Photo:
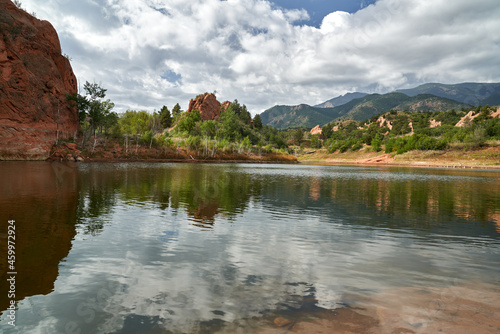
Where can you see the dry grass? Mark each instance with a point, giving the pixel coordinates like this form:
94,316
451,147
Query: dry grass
487,157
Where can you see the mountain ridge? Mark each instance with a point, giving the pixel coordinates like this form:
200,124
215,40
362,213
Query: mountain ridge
340,100
473,93
365,106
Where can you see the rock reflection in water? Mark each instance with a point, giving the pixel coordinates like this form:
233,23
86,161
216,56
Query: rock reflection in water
204,216
42,200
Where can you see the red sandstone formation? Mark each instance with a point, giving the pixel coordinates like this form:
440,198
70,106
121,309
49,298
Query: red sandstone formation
34,81
316,130
225,105
208,106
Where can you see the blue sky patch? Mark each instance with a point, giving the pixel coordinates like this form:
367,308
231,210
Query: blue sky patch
318,9
171,76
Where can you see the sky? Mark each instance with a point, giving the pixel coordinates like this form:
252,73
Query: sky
150,53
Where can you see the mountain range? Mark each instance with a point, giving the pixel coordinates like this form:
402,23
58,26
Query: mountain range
362,106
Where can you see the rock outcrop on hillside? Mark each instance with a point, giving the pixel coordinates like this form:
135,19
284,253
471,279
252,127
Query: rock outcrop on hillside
34,80
316,130
225,105
467,119
207,105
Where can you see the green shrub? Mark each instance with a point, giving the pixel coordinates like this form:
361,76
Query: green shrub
376,142
357,146
345,147
477,138
193,142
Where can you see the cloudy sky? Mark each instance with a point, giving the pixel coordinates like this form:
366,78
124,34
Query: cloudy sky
150,53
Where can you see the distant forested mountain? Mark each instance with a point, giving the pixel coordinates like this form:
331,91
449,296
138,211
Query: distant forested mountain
303,115
469,93
359,109
340,100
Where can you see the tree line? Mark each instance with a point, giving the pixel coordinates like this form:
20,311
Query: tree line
235,130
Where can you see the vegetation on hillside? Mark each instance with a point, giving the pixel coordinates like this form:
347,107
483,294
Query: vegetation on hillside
234,132
401,132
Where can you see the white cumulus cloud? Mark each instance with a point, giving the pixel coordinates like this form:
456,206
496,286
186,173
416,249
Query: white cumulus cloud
150,53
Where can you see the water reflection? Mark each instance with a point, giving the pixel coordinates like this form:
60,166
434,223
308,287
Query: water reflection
42,199
167,248
206,192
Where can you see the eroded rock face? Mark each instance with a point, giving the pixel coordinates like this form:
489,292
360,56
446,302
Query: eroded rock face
208,106
225,105
316,130
34,81
466,120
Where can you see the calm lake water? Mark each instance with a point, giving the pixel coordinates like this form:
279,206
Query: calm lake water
244,248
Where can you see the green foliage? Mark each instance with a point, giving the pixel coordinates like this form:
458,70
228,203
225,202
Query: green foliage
477,137
449,118
257,122
188,121
93,111
401,145
357,146
210,128
176,113
315,142
376,142
327,130
277,141
400,125
165,117
484,114
240,111
134,122
298,136
246,143
147,137
230,125
193,142
492,127
233,130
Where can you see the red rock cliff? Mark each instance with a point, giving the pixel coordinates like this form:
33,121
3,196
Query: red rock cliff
208,106
34,81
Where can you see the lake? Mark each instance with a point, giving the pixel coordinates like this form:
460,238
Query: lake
248,248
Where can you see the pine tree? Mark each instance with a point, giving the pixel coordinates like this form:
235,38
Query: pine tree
257,122
165,117
176,113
